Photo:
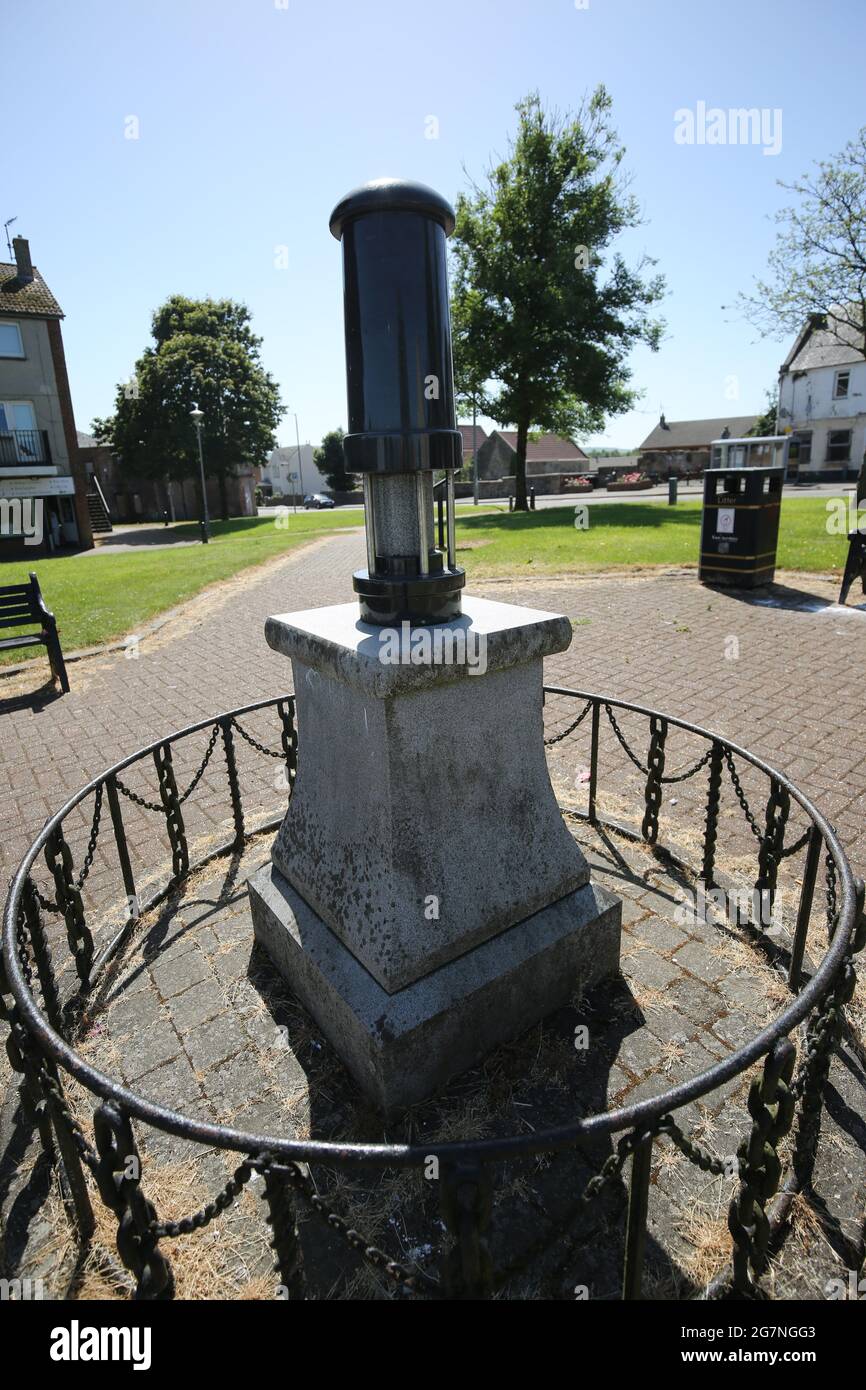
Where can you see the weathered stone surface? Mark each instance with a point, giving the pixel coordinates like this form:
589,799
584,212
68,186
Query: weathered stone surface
423,820
334,642
401,1046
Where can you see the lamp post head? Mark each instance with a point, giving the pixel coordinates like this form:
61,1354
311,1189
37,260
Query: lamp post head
197,416
402,423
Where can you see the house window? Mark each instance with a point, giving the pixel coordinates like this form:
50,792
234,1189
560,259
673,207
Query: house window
838,446
20,441
10,340
800,449
840,386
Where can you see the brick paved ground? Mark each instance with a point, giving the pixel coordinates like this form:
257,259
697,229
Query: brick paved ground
195,1018
791,694
779,680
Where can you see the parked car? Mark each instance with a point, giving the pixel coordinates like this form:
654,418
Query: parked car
317,501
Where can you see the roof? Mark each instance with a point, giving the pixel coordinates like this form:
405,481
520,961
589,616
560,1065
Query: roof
32,298
824,347
547,448
466,431
86,441
696,434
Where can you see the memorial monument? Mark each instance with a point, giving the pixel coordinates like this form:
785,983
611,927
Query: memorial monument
425,899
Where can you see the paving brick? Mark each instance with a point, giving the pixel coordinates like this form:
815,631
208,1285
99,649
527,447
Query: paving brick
701,962
664,936
214,1042
153,1045
694,999
174,974
650,969
196,1005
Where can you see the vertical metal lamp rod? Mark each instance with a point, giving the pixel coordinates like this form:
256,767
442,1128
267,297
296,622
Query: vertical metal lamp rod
450,489
423,542
370,520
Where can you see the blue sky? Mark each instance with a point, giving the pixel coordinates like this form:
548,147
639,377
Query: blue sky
255,116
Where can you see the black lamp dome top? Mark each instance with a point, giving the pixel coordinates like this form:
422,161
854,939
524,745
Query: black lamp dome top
392,195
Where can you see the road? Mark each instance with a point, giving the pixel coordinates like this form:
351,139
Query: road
687,491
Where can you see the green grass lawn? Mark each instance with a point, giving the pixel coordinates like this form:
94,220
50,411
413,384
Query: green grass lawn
97,597
104,596
626,534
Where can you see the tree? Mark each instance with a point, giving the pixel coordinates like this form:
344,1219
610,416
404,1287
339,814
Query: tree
544,314
818,264
331,463
205,353
766,421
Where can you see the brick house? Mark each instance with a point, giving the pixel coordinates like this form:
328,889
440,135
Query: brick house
117,493
39,462
547,453
683,447
468,446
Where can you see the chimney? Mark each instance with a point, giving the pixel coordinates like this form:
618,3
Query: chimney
22,259
662,421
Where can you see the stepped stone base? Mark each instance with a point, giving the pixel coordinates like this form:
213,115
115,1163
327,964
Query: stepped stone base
401,1047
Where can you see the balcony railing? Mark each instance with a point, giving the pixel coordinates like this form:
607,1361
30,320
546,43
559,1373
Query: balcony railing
21,448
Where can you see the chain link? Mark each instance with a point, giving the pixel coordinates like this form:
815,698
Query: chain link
203,1217
254,743
557,738
741,796
413,1281
694,1152
181,798
771,1106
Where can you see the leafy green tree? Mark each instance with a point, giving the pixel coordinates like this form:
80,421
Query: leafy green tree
204,353
544,311
331,462
818,264
766,421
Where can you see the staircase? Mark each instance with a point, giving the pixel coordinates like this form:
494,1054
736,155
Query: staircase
100,516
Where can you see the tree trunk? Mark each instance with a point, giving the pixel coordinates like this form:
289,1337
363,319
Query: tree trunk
520,503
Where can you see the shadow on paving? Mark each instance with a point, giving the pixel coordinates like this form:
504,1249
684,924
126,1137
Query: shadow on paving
194,1017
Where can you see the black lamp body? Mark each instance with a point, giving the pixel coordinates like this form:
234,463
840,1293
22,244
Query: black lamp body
399,373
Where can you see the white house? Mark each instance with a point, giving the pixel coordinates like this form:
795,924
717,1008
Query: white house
289,473
822,401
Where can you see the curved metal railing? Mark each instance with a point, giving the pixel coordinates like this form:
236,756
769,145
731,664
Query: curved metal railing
45,1022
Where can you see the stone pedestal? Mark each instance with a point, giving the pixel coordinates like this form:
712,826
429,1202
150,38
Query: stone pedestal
425,898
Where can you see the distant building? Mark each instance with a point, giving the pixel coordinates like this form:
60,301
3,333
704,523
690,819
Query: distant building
683,447
116,493
468,446
39,461
548,453
289,473
822,401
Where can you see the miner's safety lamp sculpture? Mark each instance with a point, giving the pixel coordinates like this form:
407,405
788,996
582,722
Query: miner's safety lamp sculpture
425,899
401,395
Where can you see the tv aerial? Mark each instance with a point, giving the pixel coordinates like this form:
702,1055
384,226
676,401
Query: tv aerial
6,226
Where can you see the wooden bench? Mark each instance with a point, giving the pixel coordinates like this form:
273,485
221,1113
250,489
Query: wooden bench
21,604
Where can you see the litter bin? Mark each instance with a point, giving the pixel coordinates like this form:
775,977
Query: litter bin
740,526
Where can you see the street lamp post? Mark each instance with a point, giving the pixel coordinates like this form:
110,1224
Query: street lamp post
197,417
298,443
